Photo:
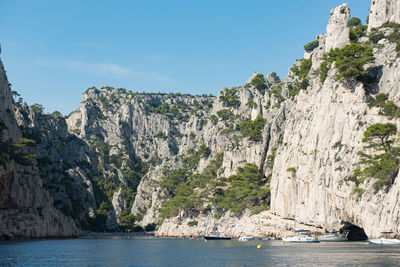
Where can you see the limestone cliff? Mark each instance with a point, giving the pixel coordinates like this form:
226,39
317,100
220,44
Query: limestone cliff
383,11
26,207
163,159
323,131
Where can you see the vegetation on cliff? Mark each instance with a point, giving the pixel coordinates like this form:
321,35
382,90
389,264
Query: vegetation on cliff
349,61
259,82
393,36
382,159
193,192
311,46
301,80
18,152
357,29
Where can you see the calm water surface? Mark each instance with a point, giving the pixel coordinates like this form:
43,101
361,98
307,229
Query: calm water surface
117,251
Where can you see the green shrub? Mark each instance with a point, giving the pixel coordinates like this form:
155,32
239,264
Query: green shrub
57,115
357,32
252,128
98,223
204,151
294,90
301,72
229,97
161,135
375,36
104,102
276,91
311,46
268,105
225,114
214,119
304,68
246,190
37,108
350,60
251,103
193,223
24,142
323,71
127,221
259,82
180,185
354,22
387,107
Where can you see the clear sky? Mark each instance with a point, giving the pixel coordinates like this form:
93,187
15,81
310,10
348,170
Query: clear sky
54,50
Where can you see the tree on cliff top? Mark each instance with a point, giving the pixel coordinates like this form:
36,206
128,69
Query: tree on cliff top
383,163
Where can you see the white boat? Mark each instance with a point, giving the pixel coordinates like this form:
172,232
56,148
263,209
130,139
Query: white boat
333,237
384,241
246,238
215,235
300,239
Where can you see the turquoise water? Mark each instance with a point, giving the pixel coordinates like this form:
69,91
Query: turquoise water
118,251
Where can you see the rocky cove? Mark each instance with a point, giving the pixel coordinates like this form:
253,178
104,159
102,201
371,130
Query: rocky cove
124,160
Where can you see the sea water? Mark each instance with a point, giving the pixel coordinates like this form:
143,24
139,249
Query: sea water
134,251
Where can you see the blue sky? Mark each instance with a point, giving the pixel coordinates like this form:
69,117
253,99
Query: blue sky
54,50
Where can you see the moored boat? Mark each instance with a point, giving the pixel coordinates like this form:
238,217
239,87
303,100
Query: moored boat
332,237
216,237
384,241
246,238
300,239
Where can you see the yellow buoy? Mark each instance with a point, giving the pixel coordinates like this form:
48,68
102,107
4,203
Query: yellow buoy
259,246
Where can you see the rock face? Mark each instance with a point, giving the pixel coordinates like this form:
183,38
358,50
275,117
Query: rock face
383,11
338,30
112,157
260,225
26,207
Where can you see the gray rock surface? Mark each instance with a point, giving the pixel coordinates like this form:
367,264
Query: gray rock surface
26,207
382,11
338,30
116,146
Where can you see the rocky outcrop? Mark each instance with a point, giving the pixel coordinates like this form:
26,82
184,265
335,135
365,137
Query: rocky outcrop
26,207
338,30
111,156
324,132
382,11
261,225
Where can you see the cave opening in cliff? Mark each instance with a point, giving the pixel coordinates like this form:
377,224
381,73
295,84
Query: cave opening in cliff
353,232
371,79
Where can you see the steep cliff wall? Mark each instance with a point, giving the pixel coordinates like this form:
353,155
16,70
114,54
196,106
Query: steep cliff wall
125,157
383,11
26,208
324,132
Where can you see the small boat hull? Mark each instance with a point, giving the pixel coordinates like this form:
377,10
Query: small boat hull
300,239
216,237
246,238
332,238
384,241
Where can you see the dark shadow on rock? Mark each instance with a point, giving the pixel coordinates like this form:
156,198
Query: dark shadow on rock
353,232
371,80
